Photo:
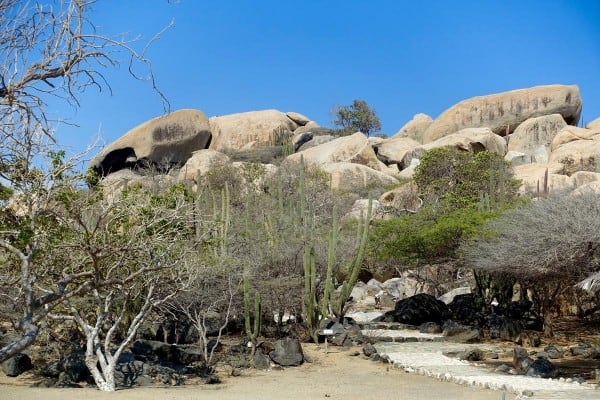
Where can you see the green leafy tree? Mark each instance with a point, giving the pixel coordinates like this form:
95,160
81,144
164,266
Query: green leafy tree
461,192
357,117
459,179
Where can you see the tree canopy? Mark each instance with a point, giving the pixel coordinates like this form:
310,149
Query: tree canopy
358,116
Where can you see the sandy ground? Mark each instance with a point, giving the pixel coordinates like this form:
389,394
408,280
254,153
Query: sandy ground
334,375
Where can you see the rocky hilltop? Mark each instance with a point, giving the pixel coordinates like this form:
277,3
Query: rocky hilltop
535,129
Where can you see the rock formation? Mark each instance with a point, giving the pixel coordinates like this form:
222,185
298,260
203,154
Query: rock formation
161,142
507,109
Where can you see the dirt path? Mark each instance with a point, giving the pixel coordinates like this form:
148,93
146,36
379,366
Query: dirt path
335,375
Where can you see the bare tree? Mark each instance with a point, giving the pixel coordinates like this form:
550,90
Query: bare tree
50,52
549,244
209,303
135,252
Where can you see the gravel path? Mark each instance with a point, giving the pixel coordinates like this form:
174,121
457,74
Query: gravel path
423,354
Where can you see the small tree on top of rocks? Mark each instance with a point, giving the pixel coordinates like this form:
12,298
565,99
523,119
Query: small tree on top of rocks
358,116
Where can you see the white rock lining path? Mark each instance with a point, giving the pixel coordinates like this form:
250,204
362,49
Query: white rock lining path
423,354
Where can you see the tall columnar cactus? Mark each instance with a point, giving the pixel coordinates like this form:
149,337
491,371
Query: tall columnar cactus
251,331
328,289
310,282
339,300
225,220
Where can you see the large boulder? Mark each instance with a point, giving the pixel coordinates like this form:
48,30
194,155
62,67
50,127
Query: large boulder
578,155
507,109
415,128
397,150
350,177
201,162
163,141
473,140
249,129
533,177
534,136
572,134
420,308
347,149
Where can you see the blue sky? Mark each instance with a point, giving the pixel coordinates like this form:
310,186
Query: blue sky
402,57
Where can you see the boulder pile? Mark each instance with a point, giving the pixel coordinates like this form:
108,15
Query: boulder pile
535,129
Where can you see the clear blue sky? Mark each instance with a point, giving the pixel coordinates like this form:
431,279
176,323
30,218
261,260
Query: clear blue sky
402,57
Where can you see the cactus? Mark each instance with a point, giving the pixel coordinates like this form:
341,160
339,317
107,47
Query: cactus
310,281
338,302
251,331
328,290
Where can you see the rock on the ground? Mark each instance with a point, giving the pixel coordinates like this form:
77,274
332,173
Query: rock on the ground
430,327
163,141
472,355
420,308
464,309
521,360
461,333
504,328
152,350
17,364
261,360
542,368
507,109
72,364
415,128
554,351
534,136
287,352
368,349
249,129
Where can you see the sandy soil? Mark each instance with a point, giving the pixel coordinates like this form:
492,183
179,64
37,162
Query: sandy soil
335,375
